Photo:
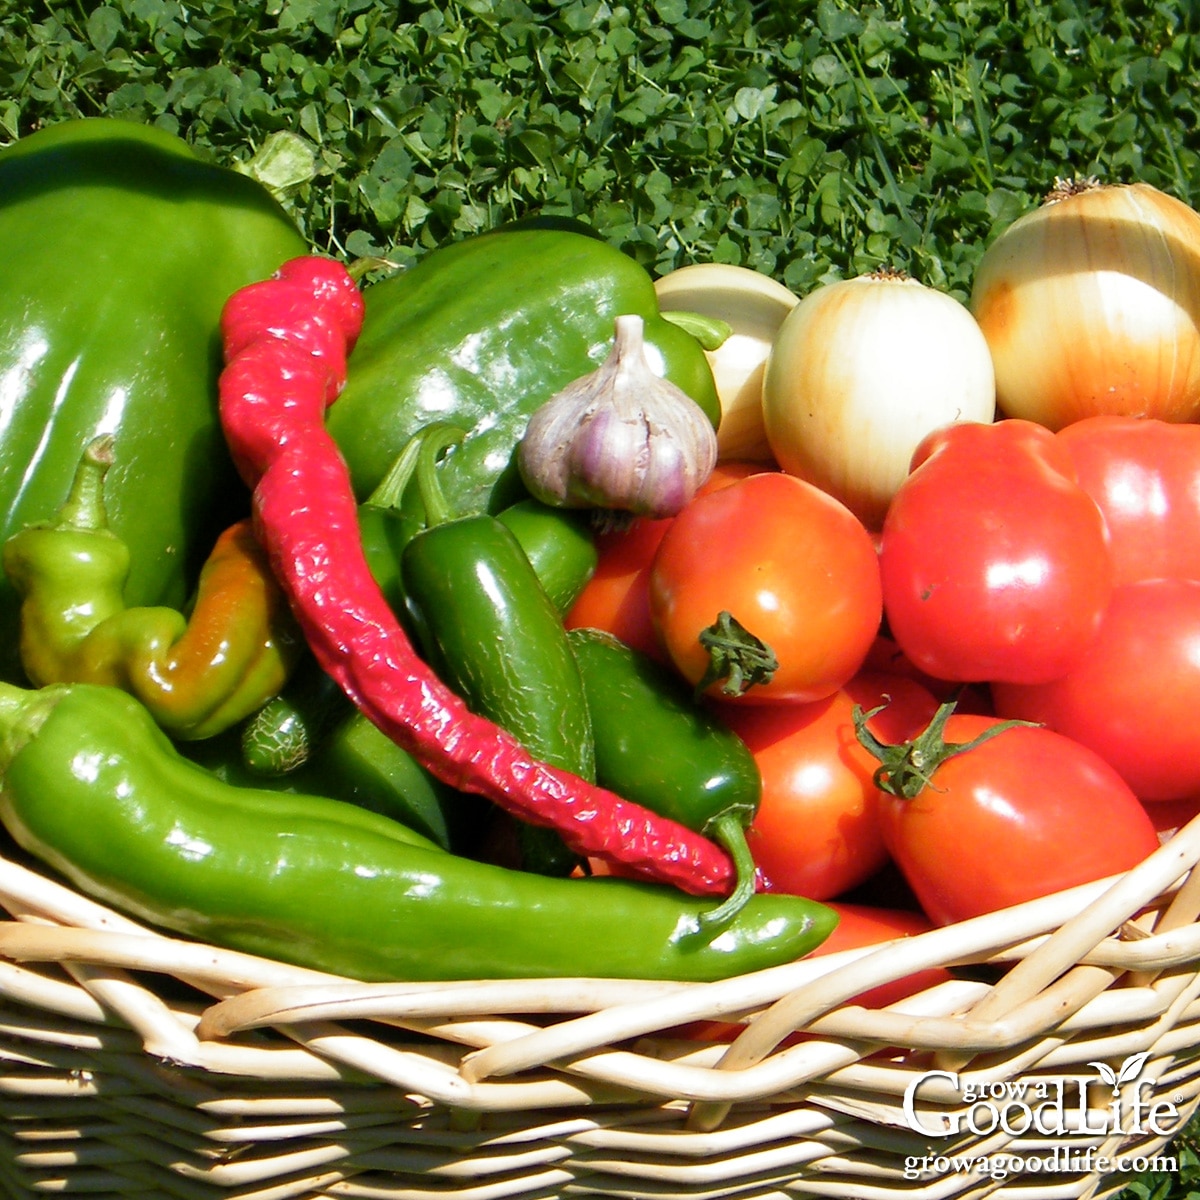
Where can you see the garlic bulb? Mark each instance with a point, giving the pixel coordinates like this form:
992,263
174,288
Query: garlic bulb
620,437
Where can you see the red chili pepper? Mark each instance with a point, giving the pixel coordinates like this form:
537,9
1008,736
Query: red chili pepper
286,341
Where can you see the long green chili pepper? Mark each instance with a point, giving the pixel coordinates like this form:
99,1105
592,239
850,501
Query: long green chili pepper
95,789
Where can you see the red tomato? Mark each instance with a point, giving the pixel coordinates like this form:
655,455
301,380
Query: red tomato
994,560
817,831
1135,700
1024,814
791,564
617,597
1145,477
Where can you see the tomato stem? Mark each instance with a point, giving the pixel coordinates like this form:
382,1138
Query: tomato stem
736,656
907,768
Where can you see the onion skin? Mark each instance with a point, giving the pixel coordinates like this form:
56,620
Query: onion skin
754,305
1090,306
863,369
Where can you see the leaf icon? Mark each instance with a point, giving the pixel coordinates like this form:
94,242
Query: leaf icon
1131,1068
1106,1073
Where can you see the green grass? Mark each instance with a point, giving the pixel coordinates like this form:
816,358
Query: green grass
809,140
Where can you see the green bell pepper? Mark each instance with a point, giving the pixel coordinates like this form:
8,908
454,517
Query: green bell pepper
118,248
482,332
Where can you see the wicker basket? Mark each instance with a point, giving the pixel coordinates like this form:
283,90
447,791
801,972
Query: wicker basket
136,1063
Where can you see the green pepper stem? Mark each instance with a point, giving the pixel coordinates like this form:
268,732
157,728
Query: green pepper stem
389,494
435,440
84,508
22,712
728,830
710,332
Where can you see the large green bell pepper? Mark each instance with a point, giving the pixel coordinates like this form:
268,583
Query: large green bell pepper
479,334
118,248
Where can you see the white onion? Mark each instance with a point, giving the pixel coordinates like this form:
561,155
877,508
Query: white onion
1091,305
860,371
753,305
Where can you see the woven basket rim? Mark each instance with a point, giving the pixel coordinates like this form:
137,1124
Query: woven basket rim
1105,972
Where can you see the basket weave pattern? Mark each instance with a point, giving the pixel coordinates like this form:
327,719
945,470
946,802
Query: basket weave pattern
131,1062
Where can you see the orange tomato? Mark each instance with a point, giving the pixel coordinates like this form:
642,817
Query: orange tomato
617,597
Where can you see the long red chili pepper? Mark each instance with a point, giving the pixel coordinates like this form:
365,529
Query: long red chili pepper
286,342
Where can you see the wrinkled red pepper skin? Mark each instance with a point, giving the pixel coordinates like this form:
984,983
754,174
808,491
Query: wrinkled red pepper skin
287,340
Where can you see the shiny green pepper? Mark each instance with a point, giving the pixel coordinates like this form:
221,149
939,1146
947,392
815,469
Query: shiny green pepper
118,248
95,789
479,334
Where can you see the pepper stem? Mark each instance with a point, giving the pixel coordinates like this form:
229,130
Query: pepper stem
736,656
728,830
390,492
22,711
434,441
907,768
711,332
84,508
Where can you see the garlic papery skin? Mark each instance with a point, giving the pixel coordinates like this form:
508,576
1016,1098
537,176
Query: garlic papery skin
620,437
860,371
754,306
1090,305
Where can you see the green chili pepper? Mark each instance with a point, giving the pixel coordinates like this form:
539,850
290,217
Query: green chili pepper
657,747
559,543
480,334
118,249
386,528
94,788
310,738
490,631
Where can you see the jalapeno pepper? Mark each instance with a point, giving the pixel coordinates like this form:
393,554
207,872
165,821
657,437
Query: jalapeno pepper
385,528
560,544
656,746
95,789
198,674
493,635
